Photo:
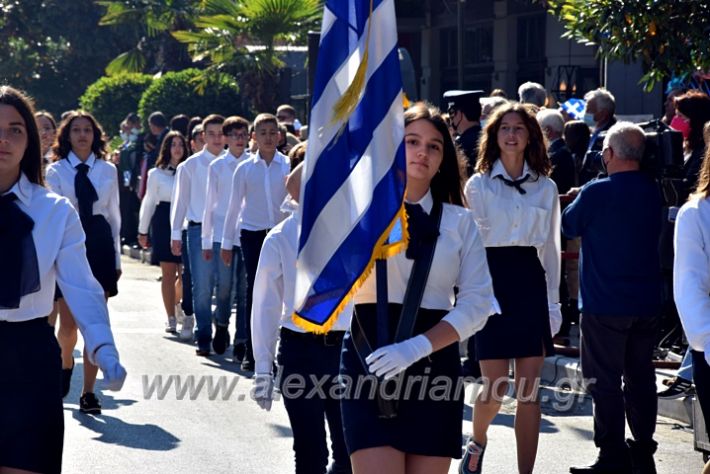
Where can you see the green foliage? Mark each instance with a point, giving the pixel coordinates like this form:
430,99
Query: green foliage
226,27
175,93
52,51
671,38
110,99
150,23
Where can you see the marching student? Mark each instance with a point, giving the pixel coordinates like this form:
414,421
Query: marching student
83,175
189,203
47,131
46,235
306,355
155,214
425,432
258,189
517,209
228,277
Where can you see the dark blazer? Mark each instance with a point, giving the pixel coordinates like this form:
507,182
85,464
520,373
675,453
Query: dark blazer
563,172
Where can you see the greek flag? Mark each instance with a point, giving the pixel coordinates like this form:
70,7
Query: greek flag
575,108
352,189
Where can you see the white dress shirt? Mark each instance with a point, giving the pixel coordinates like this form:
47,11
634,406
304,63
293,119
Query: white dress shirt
691,272
219,188
158,189
274,287
459,261
507,218
61,258
258,190
104,178
188,200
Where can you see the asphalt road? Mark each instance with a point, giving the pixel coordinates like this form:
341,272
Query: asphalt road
206,433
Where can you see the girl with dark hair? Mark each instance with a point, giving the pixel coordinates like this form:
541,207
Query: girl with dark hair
83,175
47,132
43,246
517,209
692,112
426,432
155,214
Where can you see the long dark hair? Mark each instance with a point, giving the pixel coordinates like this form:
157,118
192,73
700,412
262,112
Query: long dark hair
164,157
695,105
535,151
62,145
31,163
447,184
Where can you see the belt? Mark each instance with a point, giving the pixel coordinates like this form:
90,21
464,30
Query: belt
332,338
193,223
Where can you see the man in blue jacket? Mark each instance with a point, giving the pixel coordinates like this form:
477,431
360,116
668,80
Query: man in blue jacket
619,221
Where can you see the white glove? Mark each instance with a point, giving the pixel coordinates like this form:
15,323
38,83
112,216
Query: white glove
263,392
114,373
390,360
555,319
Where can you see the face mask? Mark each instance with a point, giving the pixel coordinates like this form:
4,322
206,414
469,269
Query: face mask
682,125
589,120
483,123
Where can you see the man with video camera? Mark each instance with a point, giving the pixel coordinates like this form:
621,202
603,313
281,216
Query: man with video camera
619,221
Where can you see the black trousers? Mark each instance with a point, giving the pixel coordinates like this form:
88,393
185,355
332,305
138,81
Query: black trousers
701,378
615,349
251,241
315,360
129,205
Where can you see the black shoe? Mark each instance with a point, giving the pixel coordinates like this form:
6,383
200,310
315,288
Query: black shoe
642,456
679,388
202,352
604,466
248,365
88,403
66,379
221,339
240,349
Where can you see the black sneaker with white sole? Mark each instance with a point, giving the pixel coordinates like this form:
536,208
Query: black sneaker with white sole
88,403
679,388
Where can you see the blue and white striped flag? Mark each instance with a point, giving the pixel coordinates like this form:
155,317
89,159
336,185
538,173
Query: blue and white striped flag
352,189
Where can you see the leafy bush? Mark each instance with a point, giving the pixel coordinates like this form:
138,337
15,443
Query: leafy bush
110,99
185,92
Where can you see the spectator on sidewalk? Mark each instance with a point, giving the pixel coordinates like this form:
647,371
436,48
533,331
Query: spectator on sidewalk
598,115
619,221
532,93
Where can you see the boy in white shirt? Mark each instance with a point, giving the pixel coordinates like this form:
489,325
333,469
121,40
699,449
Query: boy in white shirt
189,203
231,279
258,189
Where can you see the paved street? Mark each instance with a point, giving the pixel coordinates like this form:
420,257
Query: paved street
136,434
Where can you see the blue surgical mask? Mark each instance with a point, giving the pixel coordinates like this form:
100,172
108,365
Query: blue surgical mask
589,120
483,123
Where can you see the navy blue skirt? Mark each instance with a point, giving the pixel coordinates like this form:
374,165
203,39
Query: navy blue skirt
31,413
523,327
430,395
160,235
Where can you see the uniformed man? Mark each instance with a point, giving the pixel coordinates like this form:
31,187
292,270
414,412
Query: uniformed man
464,111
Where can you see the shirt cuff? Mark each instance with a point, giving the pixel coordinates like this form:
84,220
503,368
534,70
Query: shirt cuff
227,244
264,366
176,235
555,318
207,244
467,325
95,336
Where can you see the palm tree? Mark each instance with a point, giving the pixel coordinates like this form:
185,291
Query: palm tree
225,29
151,22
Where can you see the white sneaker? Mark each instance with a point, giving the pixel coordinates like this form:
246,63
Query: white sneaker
179,313
171,325
187,326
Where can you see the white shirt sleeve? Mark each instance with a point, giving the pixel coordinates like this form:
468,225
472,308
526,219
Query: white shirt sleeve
267,305
691,278
114,213
53,181
475,301
150,201
179,202
211,200
82,292
236,197
551,261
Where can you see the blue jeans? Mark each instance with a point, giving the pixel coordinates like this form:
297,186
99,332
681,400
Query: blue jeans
239,294
203,281
186,278
223,278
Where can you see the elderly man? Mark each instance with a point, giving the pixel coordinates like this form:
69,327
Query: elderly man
619,220
599,116
532,93
553,126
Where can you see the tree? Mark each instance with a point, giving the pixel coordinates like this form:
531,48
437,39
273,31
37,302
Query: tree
150,23
110,99
671,38
51,49
226,28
